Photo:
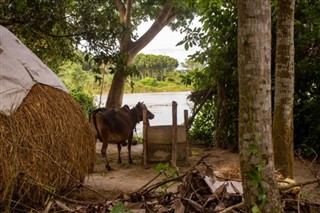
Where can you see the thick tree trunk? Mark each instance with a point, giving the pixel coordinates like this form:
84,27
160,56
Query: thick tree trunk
255,119
117,87
284,89
130,48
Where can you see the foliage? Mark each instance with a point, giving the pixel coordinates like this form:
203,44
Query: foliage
204,134
119,208
85,99
77,82
105,30
171,84
307,90
168,172
165,168
149,81
218,41
190,65
155,66
53,30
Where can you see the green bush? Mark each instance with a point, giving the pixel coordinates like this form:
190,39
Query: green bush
203,128
149,81
76,81
169,79
84,98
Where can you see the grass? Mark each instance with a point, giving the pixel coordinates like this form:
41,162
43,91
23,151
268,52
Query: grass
146,85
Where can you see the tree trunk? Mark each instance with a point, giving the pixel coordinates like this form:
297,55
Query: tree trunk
117,87
284,89
130,48
255,121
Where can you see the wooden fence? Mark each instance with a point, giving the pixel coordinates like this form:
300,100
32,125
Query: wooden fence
166,143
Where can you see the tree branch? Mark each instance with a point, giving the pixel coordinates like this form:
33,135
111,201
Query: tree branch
230,208
282,188
164,18
121,9
190,121
128,14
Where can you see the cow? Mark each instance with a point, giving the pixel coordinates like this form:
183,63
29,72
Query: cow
111,125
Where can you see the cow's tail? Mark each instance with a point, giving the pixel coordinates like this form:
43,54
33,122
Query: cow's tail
93,119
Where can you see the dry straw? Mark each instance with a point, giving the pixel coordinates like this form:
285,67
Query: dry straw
46,145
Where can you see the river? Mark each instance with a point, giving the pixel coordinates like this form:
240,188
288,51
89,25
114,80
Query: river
160,104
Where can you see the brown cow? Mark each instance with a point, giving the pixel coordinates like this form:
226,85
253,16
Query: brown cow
116,126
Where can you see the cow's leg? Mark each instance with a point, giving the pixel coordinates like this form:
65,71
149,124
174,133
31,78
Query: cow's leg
129,148
119,151
104,154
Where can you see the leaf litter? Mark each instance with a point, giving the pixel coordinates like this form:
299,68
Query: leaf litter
200,189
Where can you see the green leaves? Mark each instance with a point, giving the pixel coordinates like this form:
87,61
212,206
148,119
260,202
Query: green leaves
253,149
119,208
165,168
155,66
255,209
255,178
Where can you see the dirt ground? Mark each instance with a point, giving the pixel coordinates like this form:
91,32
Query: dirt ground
126,178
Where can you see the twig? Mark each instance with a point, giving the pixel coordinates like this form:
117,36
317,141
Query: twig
149,182
309,166
152,187
190,121
201,159
283,188
298,204
72,201
195,205
31,181
230,208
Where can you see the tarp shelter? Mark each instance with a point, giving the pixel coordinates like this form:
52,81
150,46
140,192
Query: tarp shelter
20,69
44,133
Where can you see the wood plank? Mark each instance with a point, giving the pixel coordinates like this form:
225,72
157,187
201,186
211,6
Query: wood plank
174,133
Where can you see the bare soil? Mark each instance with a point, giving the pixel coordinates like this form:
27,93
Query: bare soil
126,178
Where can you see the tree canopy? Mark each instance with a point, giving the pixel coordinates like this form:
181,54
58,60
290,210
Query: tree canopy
155,66
54,30
219,55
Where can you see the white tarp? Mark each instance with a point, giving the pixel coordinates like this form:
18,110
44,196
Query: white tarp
20,69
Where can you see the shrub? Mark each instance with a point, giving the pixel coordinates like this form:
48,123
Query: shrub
149,81
84,98
203,128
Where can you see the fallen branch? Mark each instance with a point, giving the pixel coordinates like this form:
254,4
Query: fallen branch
230,208
202,159
157,185
289,186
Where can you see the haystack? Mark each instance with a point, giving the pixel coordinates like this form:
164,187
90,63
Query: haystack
46,144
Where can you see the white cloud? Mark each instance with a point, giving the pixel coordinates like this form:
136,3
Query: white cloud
165,43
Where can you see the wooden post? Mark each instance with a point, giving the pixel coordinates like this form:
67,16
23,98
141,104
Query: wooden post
187,128
145,137
174,133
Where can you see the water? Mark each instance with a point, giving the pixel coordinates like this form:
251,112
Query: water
160,104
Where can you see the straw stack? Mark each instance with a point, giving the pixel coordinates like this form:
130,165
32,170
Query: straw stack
45,146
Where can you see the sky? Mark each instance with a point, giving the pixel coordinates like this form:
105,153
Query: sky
165,43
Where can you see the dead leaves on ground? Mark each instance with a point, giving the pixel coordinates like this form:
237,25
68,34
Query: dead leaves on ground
200,190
